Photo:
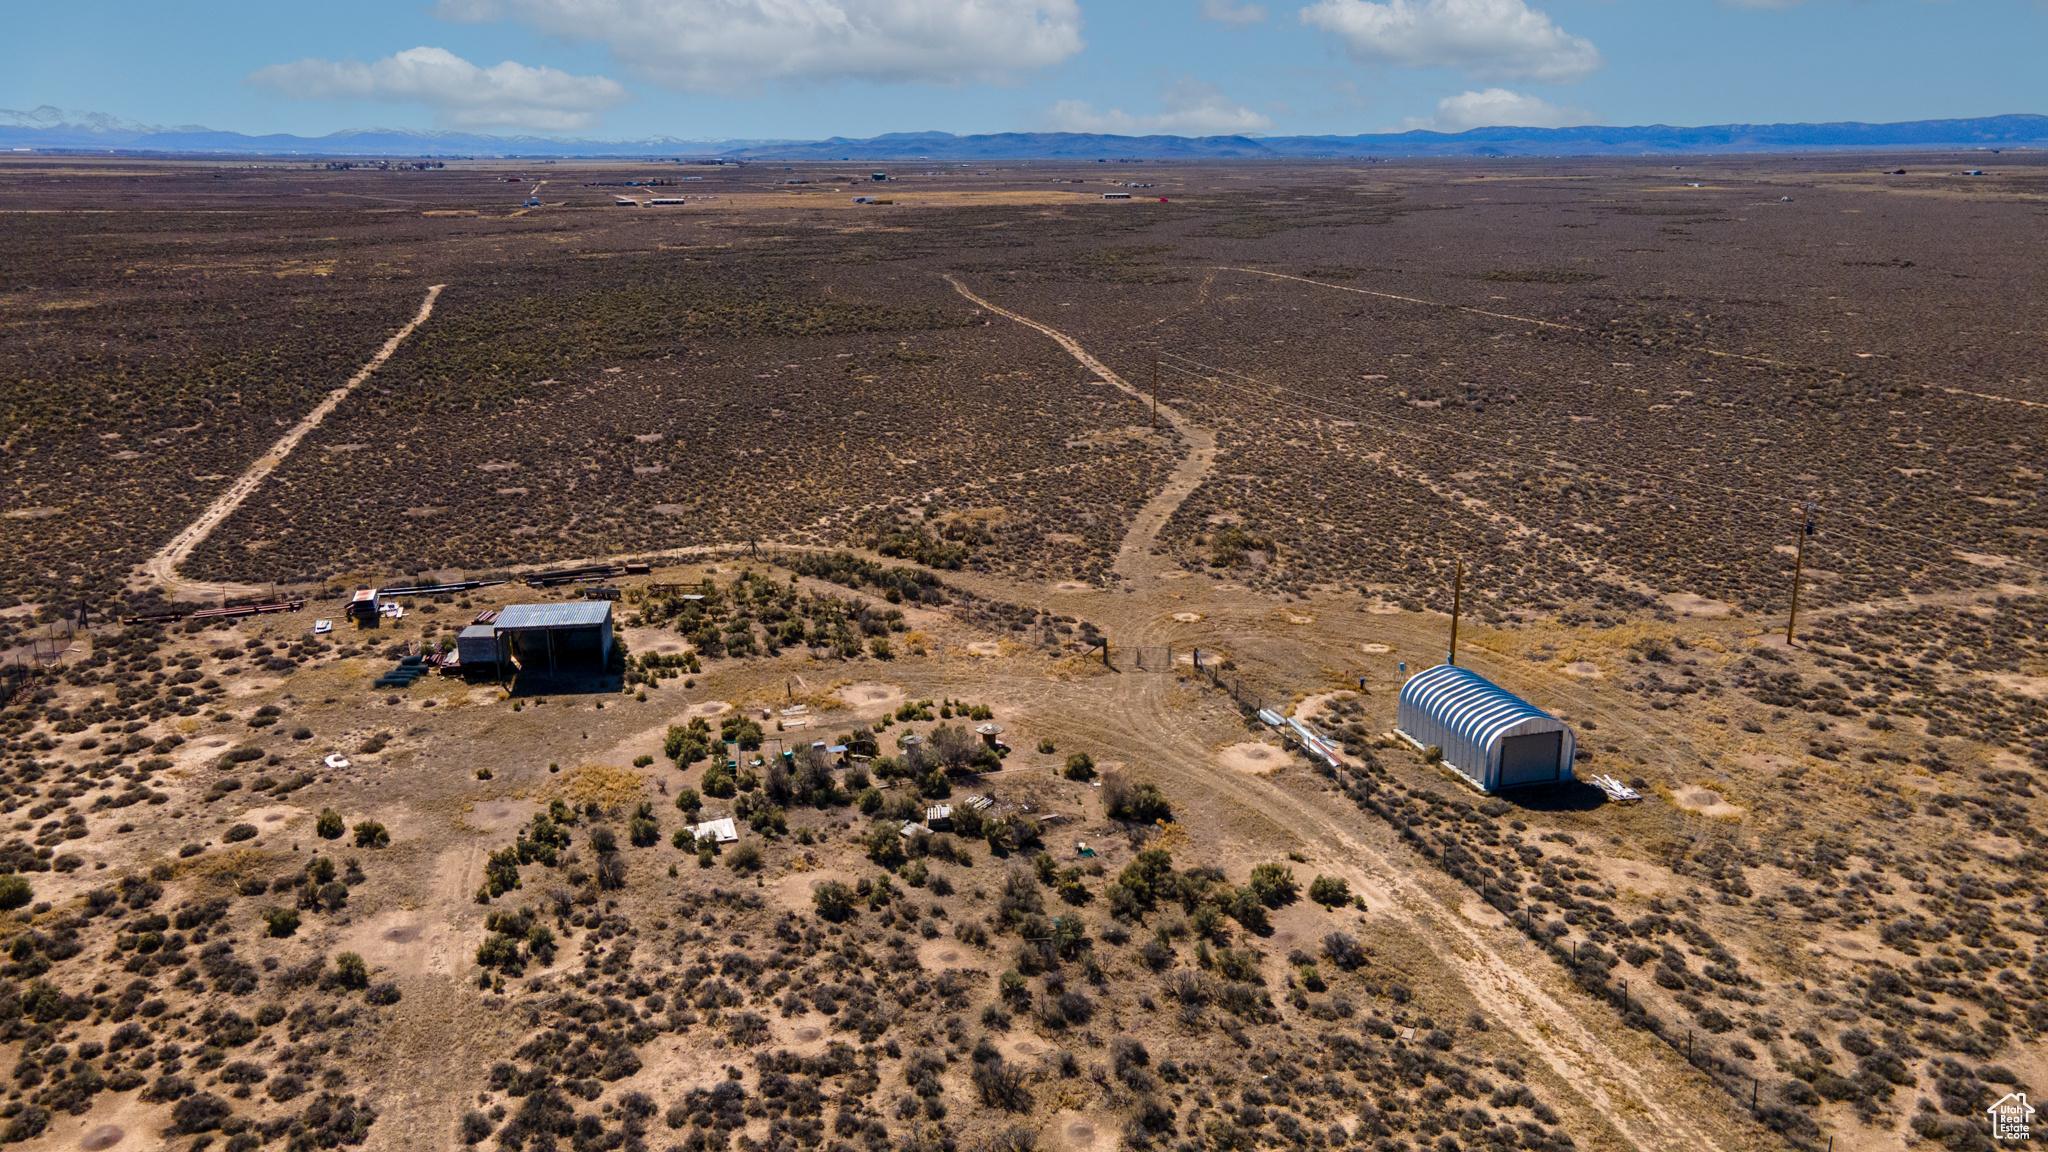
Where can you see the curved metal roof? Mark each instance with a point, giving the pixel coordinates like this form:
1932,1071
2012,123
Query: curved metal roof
1469,704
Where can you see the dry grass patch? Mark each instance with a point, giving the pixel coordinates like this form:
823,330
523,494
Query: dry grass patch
603,784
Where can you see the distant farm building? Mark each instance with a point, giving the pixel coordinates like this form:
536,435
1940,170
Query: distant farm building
577,634
1487,734
667,201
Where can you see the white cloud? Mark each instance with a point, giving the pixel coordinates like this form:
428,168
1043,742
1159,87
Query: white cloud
462,95
1490,39
1192,108
1221,12
737,45
1498,107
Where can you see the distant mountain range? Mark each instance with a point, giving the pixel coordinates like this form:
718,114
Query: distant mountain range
51,129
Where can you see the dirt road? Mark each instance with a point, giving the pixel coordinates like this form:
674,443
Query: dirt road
1133,555
162,568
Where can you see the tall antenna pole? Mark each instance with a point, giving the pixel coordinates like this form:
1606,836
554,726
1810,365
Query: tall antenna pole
1457,604
1798,572
1155,392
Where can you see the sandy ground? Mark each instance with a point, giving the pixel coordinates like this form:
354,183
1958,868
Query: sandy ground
1253,756
1706,802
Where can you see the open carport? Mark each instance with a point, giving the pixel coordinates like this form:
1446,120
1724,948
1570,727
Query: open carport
576,635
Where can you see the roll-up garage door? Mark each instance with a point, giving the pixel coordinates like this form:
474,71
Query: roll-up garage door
1531,759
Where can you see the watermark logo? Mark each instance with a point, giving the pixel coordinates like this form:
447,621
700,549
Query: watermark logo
2011,1118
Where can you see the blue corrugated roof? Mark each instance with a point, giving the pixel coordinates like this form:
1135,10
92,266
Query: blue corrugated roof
1468,703
569,614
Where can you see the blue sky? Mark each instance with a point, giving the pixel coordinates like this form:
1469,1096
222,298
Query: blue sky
724,69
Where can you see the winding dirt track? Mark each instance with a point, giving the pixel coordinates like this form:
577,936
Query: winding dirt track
1142,534
162,568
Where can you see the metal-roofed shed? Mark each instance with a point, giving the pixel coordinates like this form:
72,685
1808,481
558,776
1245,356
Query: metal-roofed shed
722,831
1488,735
537,634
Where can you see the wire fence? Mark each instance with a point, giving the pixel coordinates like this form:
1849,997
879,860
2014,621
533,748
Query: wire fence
1205,667
1153,659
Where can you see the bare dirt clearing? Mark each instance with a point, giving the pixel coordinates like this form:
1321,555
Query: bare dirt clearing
1252,757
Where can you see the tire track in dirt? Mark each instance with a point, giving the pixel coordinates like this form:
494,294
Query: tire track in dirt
163,567
1142,534
1608,1081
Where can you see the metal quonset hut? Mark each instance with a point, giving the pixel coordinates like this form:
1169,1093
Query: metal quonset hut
1491,736
544,635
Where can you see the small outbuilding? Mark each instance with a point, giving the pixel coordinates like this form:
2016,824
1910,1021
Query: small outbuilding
721,831
1487,734
549,635
477,645
362,608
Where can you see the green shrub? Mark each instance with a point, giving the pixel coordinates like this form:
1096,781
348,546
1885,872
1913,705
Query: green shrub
329,826
642,830
1137,803
745,858
239,833
1080,766
282,921
885,845
833,900
1274,885
1329,891
15,891
350,971
370,834
718,782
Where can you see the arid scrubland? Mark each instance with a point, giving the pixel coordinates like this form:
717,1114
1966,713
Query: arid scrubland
249,900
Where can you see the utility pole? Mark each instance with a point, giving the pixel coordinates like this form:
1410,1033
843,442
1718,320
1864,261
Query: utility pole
1155,392
1457,604
1798,572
